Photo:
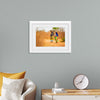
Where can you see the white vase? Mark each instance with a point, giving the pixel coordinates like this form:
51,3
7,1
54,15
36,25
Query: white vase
56,85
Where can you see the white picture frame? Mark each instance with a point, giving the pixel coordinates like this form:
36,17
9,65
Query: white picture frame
33,48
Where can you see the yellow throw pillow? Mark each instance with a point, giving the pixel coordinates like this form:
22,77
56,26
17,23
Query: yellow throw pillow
11,76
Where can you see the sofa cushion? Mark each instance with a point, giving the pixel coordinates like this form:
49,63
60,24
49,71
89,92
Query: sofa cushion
12,88
10,75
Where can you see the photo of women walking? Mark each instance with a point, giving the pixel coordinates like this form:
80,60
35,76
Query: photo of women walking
50,37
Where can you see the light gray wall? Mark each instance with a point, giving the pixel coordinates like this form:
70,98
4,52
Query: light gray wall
45,69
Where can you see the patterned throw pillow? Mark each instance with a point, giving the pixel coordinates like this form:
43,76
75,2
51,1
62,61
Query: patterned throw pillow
12,88
11,76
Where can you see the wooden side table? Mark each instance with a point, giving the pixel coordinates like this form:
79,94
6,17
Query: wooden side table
72,94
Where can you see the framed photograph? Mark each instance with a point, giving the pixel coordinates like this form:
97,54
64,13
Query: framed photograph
50,36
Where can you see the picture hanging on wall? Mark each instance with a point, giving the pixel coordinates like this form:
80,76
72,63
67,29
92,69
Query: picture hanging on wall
50,36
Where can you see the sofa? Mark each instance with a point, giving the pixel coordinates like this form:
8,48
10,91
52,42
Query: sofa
13,86
29,90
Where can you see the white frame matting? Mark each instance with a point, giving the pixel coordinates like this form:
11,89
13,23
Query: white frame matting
32,37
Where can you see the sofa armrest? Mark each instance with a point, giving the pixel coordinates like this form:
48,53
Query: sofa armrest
29,91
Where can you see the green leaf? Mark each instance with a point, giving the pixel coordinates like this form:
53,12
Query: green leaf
55,28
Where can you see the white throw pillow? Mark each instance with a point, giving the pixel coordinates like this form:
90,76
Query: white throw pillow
12,88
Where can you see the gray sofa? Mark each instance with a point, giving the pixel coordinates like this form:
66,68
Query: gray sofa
29,90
